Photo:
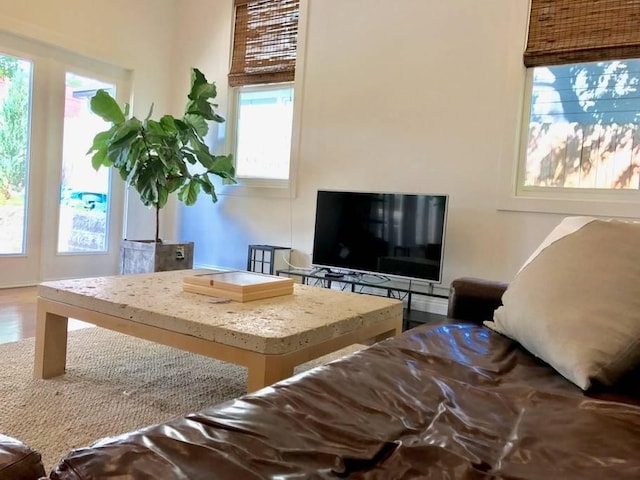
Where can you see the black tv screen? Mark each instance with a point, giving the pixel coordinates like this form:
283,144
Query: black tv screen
387,233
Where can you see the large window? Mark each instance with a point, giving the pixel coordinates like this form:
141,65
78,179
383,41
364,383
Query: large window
15,108
580,134
261,79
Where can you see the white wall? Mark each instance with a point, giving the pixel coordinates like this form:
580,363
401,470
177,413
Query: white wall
403,96
136,35
410,96
222,231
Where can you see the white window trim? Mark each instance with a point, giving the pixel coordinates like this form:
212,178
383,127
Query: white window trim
514,197
264,187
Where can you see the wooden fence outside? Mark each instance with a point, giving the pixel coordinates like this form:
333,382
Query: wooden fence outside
574,155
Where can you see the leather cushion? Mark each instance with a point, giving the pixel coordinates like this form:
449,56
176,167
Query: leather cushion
18,461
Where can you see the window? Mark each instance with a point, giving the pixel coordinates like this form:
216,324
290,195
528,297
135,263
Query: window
262,73
263,131
15,113
583,126
84,191
582,122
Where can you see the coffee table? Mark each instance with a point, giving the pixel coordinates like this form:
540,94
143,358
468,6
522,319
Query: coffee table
269,337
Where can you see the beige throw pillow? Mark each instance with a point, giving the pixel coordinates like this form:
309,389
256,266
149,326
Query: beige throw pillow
576,304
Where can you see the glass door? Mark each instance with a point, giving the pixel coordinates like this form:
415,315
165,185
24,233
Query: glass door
15,102
59,218
89,204
84,192
16,79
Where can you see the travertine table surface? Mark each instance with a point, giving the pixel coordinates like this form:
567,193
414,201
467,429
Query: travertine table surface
270,336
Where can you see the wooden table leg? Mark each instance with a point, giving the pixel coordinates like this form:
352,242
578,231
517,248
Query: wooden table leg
51,344
266,370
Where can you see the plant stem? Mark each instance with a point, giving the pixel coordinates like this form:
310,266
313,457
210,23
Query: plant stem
148,148
157,224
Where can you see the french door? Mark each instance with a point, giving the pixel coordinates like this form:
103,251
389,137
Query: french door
59,218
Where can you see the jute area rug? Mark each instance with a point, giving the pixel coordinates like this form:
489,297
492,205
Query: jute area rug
114,384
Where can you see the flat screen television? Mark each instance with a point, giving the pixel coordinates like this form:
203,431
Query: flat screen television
394,234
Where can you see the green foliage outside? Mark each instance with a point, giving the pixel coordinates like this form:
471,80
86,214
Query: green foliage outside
153,156
8,66
14,128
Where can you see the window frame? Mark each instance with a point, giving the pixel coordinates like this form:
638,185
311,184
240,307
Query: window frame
562,200
512,195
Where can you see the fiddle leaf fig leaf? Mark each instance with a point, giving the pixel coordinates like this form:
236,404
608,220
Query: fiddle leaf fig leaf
190,157
169,124
205,183
201,152
124,133
100,141
98,158
223,167
154,128
163,196
105,106
217,118
201,92
189,193
150,112
201,89
198,123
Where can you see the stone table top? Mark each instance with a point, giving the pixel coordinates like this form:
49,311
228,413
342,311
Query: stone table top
274,325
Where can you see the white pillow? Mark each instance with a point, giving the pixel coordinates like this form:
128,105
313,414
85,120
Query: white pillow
576,302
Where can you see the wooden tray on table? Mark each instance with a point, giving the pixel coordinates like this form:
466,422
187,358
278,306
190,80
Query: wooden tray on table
238,285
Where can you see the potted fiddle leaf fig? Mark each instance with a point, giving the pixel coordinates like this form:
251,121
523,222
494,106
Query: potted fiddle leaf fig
161,157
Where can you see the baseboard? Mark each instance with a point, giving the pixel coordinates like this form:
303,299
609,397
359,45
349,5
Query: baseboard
429,304
17,285
420,302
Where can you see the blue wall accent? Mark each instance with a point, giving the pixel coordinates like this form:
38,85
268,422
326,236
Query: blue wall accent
220,240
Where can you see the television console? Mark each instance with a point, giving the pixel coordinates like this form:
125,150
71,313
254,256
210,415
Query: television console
358,282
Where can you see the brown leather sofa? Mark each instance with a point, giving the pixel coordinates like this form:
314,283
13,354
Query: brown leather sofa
474,299
18,461
449,401
455,401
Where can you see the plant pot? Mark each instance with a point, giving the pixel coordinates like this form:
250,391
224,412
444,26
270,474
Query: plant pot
147,256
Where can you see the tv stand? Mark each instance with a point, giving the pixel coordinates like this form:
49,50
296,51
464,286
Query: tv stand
398,288
330,274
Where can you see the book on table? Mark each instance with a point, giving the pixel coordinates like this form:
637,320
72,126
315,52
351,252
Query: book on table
238,285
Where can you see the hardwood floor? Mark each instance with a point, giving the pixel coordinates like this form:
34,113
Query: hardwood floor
18,314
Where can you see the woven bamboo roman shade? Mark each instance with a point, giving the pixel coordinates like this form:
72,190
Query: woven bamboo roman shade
264,43
573,31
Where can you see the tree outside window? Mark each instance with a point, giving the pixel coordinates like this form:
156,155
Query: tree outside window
14,119
583,126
